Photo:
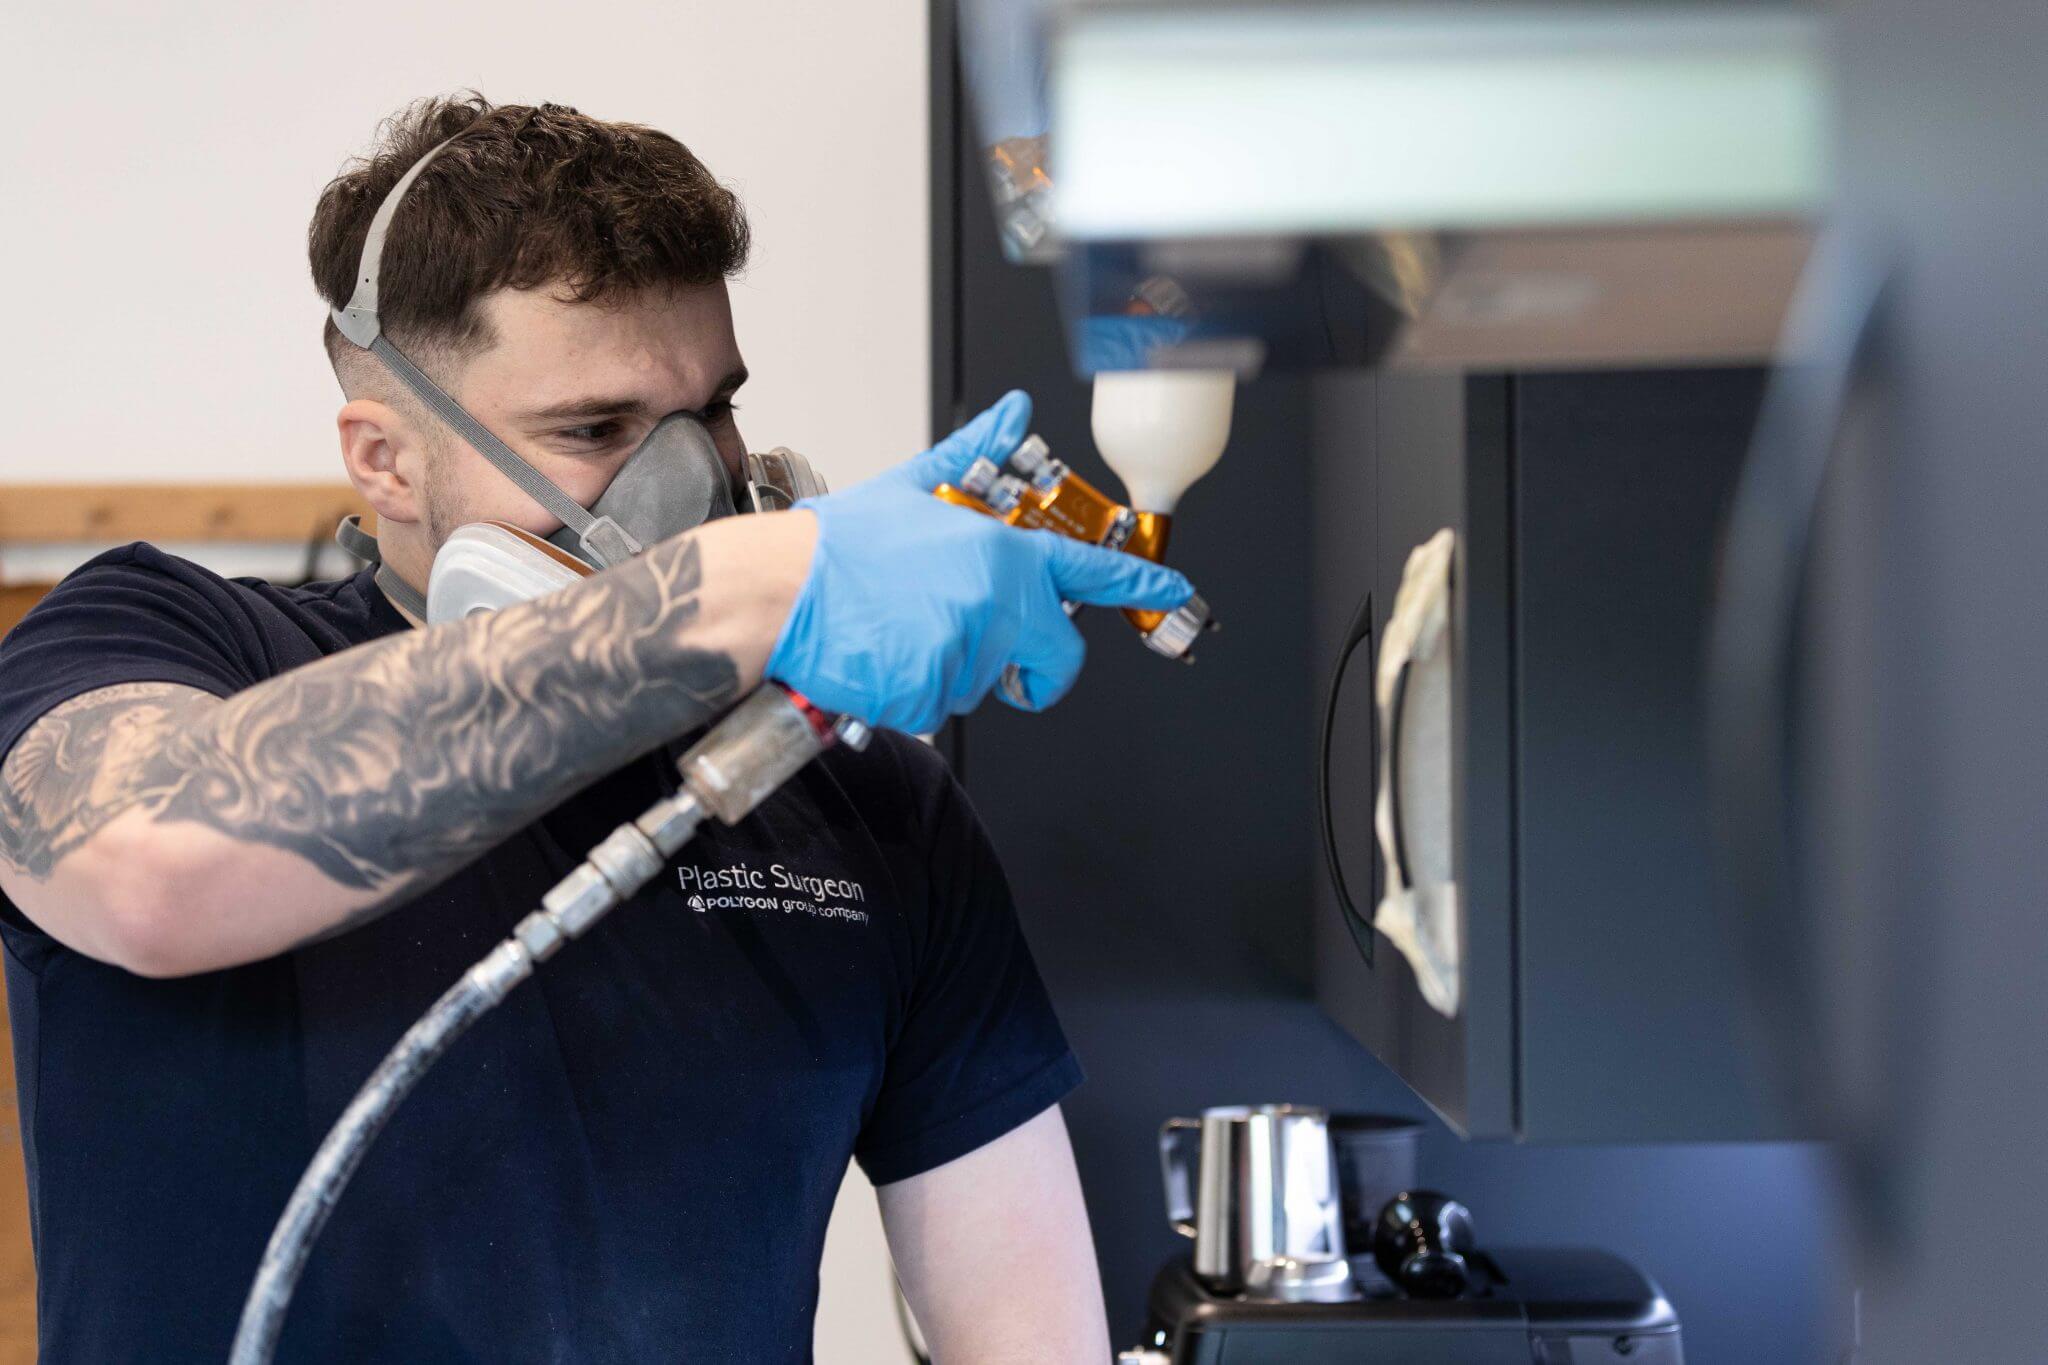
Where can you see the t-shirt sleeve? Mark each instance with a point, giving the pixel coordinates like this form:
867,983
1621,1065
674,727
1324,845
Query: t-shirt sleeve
130,616
980,1050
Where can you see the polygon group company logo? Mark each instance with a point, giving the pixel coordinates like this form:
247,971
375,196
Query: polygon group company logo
779,889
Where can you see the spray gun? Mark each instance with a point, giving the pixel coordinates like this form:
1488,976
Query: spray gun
757,747
1159,431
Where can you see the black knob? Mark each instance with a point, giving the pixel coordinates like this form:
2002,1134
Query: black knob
1420,1241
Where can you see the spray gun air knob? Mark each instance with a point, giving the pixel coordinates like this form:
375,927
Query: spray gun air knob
1178,629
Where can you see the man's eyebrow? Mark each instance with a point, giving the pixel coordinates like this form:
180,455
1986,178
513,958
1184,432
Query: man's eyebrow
625,405
589,408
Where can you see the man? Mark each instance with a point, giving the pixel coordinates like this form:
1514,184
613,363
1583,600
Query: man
250,833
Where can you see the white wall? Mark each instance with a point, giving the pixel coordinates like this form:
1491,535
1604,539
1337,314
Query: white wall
160,162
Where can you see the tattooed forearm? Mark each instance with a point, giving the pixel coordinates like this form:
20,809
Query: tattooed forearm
391,764
83,764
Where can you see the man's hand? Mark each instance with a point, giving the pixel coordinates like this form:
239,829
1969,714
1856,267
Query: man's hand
913,607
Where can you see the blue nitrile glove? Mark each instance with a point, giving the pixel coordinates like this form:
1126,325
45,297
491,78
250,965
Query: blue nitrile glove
913,606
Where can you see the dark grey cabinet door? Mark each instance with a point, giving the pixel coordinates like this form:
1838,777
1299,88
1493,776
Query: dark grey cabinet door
1633,1014
1395,463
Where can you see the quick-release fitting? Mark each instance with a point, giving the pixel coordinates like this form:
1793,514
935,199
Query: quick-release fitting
750,753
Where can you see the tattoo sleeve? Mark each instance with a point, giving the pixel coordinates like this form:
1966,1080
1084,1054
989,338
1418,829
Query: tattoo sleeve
391,764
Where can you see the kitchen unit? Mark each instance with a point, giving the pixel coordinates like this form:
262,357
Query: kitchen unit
1597,963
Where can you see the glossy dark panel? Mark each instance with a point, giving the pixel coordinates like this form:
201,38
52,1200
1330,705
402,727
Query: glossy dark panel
1928,804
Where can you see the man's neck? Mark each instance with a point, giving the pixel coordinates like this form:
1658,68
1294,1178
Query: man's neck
397,605
407,561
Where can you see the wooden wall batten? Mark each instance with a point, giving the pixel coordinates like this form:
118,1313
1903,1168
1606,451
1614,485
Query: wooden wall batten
61,513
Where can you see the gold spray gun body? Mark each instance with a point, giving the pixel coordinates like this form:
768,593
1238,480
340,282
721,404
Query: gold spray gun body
1159,430
1034,491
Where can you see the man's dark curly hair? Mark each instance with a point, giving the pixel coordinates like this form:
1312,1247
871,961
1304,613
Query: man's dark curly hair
526,196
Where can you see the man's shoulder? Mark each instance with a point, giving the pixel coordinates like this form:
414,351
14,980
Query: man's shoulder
142,558
137,582
141,565
139,613
900,785
919,761
138,557
145,580
892,760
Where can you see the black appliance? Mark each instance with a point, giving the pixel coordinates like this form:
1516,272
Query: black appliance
1531,1306
1277,1196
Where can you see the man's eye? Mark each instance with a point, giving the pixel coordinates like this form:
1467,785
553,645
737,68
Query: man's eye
594,434
721,411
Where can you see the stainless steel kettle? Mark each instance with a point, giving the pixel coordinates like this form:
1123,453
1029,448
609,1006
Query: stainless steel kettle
1256,1188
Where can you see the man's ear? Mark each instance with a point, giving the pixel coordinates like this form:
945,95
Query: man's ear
375,438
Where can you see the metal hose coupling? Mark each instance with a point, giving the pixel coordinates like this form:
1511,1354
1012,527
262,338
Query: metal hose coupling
746,756
626,860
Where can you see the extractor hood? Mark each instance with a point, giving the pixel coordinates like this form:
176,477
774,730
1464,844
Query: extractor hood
1480,185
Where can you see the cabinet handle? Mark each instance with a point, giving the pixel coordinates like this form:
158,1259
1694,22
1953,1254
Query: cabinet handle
1396,709
1356,922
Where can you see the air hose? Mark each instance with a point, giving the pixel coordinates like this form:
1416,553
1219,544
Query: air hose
750,753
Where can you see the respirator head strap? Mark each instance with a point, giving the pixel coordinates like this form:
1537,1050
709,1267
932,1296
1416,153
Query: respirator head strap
357,319
351,536
604,541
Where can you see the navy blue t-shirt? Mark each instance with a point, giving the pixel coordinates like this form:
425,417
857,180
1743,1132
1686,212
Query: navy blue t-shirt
632,1159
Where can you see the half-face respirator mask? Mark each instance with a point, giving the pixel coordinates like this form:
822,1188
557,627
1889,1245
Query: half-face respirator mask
673,482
